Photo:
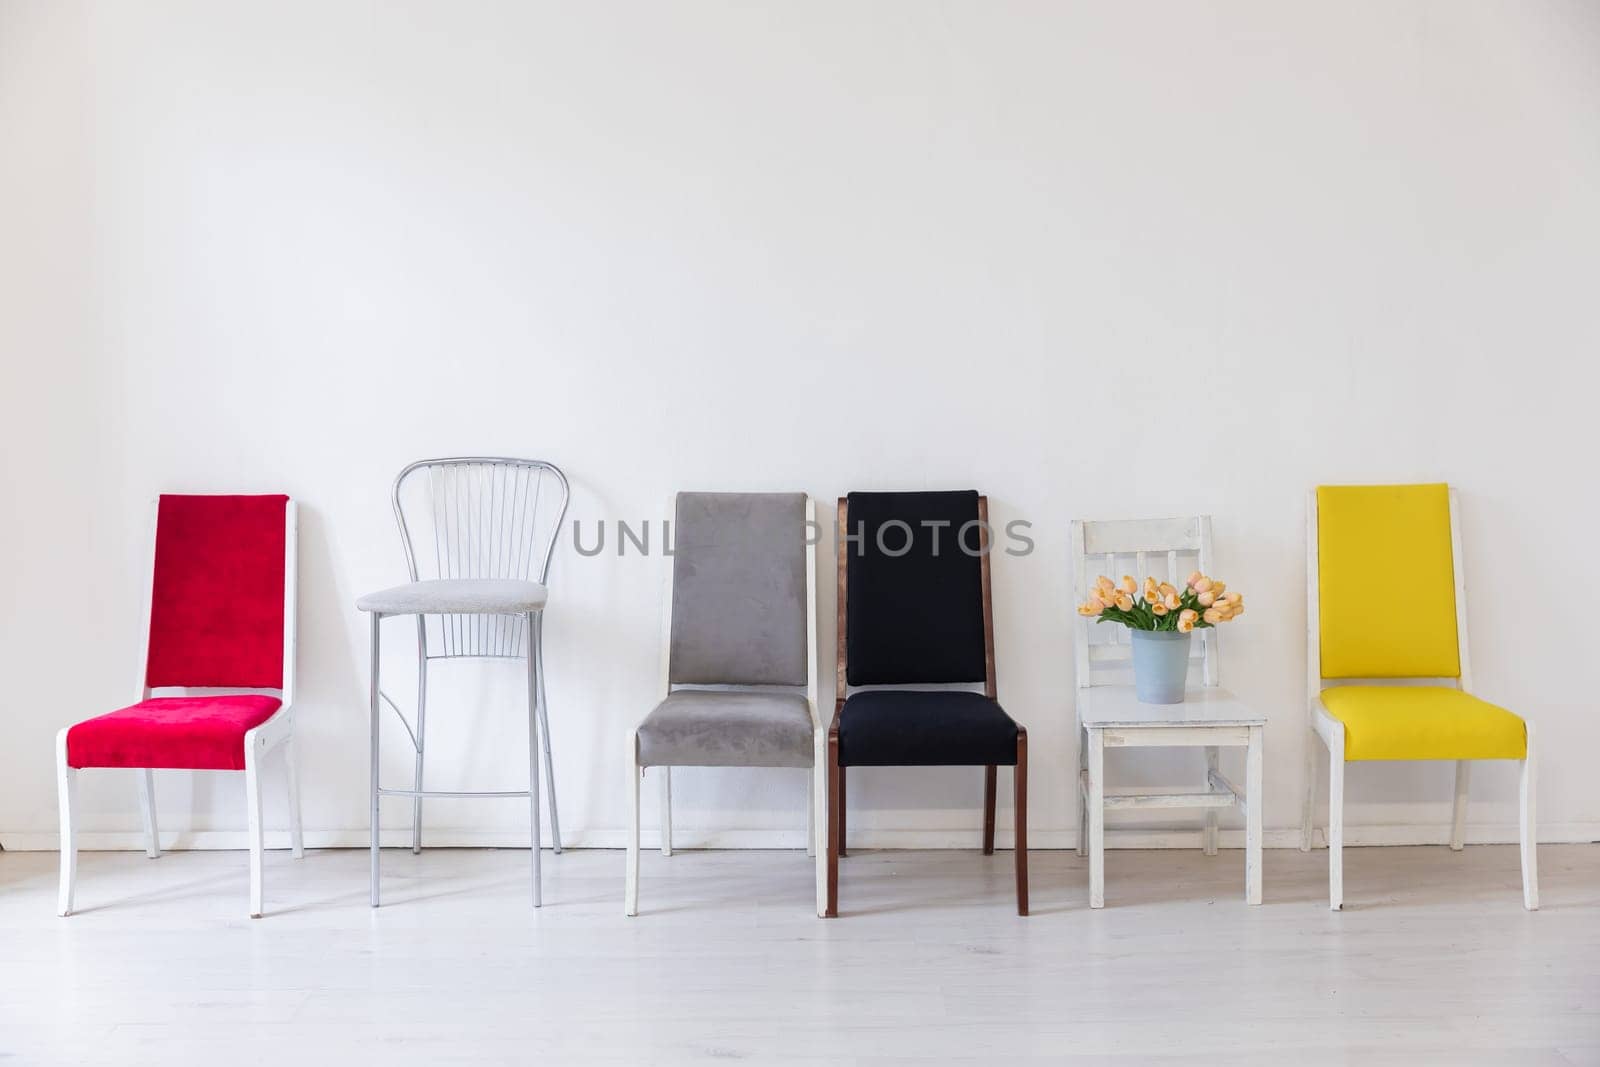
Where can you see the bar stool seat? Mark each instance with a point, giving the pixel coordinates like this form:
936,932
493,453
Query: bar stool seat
457,596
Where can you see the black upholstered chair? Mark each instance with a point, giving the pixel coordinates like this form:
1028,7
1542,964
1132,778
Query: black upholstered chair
914,610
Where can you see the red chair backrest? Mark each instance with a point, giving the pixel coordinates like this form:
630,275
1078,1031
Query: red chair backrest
217,597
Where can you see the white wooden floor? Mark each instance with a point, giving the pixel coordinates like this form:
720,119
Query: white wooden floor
1434,961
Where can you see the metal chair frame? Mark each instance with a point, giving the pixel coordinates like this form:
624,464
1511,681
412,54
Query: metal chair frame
484,512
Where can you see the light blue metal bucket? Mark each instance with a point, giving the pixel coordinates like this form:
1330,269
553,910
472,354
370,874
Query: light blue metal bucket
1160,665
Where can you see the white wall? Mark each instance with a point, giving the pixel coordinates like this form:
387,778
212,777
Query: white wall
1095,259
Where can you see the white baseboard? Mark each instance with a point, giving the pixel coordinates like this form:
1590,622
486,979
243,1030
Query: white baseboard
683,837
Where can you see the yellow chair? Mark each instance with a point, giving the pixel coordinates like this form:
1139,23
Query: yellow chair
1385,603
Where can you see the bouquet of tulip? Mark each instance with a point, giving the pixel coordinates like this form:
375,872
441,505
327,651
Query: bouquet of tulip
1202,602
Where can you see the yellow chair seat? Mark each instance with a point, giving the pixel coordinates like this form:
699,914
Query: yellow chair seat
1384,722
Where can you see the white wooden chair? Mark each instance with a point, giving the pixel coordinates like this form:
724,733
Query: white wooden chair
220,629
1405,539
1110,716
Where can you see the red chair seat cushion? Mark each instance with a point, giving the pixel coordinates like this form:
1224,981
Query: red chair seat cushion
190,733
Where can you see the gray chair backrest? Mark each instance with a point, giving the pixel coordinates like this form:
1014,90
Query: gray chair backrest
739,589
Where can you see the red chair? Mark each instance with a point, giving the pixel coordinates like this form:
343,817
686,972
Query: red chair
222,613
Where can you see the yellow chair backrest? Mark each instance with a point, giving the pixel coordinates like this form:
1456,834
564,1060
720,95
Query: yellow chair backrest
1386,582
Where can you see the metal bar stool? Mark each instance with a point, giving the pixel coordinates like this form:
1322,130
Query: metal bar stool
481,595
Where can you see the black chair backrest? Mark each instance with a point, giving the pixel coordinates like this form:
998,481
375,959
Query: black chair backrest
914,589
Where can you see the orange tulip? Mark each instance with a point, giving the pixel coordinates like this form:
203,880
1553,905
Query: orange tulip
1092,606
1129,586
1213,616
1171,601
1206,600
1158,609
1124,602
1185,625
1166,589
1188,614
1193,578
1202,586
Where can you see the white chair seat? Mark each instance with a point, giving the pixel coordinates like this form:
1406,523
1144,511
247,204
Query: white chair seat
457,596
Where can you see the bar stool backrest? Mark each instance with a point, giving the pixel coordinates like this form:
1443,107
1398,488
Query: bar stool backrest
479,517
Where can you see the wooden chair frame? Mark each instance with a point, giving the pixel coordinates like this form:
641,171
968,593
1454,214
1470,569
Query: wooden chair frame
1219,721
1330,731
816,784
836,772
275,734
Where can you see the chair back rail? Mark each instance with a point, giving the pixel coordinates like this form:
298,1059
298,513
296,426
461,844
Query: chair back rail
1169,549
478,517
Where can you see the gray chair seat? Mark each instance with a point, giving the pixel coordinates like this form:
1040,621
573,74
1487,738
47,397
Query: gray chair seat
457,596
700,728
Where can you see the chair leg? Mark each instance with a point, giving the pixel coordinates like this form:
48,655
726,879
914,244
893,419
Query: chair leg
818,806
811,812
66,794
1530,831
1083,824
1308,804
372,781
990,774
1097,819
666,810
147,810
631,886
1020,807
1253,818
534,829
291,767
252,798
422,743
835,825
1336,819
840,814
544,741
1213,765
1458,815
1082,794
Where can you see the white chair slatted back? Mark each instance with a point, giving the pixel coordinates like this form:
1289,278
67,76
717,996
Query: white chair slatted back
1167,549
479,517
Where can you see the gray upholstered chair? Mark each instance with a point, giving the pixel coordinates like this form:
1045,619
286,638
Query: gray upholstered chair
740,657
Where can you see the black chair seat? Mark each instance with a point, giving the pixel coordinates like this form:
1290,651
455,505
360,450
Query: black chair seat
907,728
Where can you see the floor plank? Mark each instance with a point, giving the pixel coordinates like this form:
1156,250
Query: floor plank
1433,959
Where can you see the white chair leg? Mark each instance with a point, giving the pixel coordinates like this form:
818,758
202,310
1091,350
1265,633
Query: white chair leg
1083,822
1458,816
1083,796
1530,831
818,805
544,736
252,797
1213,765
421,742
1097,819
811,820
373,730
1336,819
630,904
66,794
147,811
666,810
535,830
1253,793
291,768
1308,806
